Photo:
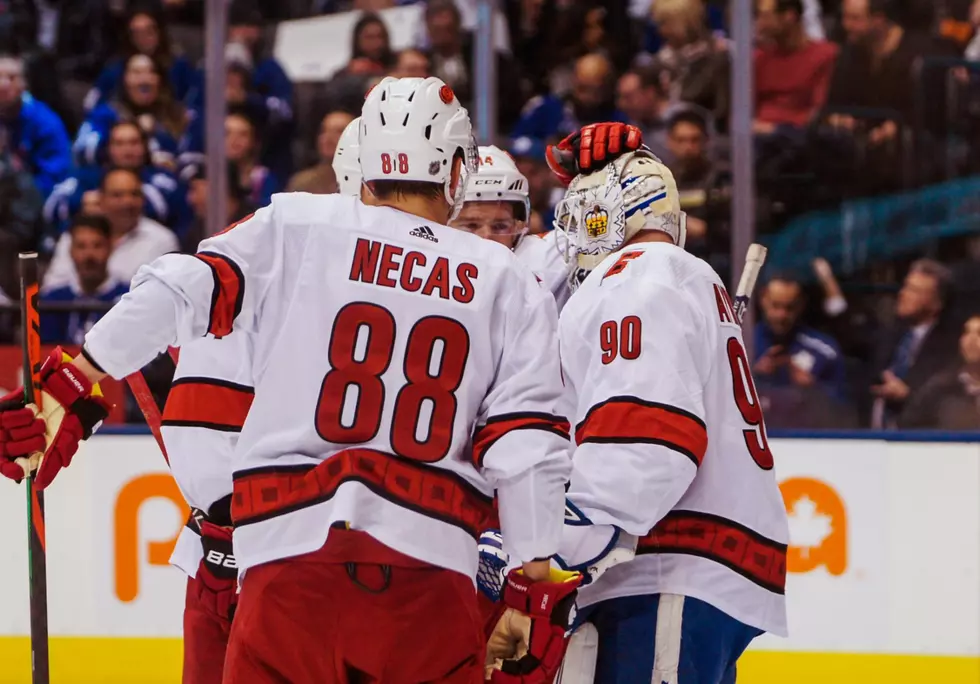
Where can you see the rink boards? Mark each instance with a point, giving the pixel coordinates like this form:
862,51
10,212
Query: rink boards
884,582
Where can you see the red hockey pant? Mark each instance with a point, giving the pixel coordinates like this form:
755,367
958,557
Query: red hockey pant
205,637
355,612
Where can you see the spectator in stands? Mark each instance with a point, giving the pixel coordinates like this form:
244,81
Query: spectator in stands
412,63
320,178
792,72
242,149
544,191
704,186
91,283
951,400
20,218
76,34
642,96
136,239
875,67
128,148
584,27
371,57
236,205
788,353
146,34
145,98
451,49
699,68
35,136
269,98
550,117
919,349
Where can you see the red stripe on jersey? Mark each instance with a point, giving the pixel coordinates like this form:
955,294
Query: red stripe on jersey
208,403
265,493
228,293
754,557
498,426
628,420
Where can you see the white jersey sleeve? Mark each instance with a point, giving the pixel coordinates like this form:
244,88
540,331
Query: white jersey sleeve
634,355
542,256
178,298
525,413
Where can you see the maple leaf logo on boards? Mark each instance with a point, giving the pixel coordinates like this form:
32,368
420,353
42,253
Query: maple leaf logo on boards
808,527
817,526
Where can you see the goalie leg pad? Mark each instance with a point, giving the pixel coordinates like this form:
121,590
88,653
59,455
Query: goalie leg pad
663,638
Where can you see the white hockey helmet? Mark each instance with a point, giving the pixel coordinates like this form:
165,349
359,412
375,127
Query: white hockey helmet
411,130
498,180
604,209
345,164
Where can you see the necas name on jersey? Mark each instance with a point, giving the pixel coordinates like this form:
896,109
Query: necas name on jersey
386,265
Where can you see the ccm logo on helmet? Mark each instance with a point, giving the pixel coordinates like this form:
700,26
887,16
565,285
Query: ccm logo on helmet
487,181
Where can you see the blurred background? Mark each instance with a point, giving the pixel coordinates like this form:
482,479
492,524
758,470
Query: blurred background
864,147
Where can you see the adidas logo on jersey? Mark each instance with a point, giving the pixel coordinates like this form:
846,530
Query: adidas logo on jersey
425,233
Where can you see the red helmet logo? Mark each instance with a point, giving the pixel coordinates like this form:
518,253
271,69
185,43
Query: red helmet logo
446,94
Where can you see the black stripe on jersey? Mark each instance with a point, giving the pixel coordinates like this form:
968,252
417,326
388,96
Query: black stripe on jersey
216,382
219,427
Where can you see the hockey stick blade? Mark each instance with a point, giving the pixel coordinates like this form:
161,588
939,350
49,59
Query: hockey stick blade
755,258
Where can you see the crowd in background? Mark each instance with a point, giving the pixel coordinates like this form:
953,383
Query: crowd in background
102,166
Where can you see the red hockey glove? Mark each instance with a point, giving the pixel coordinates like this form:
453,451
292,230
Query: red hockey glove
217,576
71,410
530,637
591,148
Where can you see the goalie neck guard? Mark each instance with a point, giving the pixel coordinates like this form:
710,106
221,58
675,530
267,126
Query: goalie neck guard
346,166
411,130
601,211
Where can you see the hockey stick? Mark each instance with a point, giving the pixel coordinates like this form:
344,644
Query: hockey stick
37,560
755,258
148,404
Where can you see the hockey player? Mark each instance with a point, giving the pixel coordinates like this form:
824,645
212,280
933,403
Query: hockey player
208,403
403,372
671,459
497,207
346,166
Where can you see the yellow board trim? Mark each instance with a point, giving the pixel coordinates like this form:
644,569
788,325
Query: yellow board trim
105,660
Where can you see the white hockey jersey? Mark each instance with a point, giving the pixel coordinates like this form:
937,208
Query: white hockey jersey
403,371
541,256
670,440
205,411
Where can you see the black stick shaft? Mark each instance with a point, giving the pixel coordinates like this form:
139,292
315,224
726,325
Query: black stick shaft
38,574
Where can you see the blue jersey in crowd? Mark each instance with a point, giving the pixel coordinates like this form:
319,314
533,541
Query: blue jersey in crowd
269,104
94,135
70,327
37,138
163,196
809,349
550,117
184,79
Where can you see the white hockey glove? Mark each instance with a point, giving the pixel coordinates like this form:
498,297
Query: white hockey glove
592,549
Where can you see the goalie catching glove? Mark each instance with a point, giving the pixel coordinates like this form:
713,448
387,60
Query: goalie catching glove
530,636
72,408
591,148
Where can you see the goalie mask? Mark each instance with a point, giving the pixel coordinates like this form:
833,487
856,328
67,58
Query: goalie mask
496,205
601,211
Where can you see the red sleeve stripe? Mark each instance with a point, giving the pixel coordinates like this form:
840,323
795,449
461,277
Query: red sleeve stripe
228,293
498,426
208,403
629,420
